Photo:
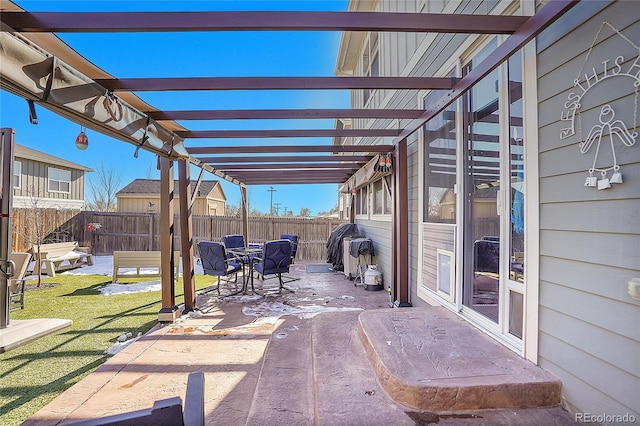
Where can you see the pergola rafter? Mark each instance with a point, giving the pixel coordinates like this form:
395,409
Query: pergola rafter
285,133
299,159
144,84
62,22
270,114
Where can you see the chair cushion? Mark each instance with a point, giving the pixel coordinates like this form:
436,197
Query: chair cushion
233,267
276,257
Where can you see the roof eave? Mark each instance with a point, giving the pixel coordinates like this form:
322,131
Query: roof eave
351,41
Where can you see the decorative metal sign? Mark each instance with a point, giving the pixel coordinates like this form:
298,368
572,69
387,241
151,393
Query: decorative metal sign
610,131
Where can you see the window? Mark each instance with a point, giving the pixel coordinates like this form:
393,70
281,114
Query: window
59,180
440,162
17,173
362,200
381,193
370,64
377,192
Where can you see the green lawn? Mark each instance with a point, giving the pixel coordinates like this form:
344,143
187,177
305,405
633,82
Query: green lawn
34,374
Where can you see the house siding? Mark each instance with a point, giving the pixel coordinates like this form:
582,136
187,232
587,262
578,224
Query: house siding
34,183
140,204
380,234
138,196
589,326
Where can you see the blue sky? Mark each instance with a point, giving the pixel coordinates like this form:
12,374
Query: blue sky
212,54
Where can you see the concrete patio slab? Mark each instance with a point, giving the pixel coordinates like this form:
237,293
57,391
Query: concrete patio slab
278,359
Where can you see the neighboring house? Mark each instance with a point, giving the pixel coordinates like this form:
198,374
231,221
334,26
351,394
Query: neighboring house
143,196
46,181
543,252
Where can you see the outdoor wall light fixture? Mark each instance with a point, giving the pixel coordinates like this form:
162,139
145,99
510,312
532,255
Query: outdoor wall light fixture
82,141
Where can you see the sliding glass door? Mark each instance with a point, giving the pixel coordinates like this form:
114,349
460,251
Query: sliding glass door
493,201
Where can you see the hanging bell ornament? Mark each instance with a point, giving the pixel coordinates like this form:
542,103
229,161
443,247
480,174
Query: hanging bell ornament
604,184
82,141
591,181
617,176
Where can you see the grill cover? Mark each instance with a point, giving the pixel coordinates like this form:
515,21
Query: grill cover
334,243
361,246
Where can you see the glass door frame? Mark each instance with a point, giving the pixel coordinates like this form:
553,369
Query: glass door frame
499,329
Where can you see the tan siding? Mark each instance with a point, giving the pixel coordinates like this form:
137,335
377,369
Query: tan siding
140,204
34,181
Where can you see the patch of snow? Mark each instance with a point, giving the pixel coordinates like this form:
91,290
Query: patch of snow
111,289
278,309
121,344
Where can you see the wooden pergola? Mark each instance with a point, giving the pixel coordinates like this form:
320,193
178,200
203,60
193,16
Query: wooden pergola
159,132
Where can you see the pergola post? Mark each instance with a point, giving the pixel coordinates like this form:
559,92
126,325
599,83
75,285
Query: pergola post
186,236
400,261
245,213
6,213
352,208
169,311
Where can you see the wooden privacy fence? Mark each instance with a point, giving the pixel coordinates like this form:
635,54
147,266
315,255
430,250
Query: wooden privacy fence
141,231
35,225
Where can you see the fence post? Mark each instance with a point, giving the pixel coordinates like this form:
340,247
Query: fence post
150,231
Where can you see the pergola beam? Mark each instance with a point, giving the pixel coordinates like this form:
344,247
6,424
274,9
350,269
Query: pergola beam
277,173
288,159
285,166
62,22
159,84
258,149
291,179
270,114
286,133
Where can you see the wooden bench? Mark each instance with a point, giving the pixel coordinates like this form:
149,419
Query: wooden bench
138,260
59,257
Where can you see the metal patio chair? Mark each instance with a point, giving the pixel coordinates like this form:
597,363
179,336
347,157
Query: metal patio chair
213,256
275,260
294,245
16,282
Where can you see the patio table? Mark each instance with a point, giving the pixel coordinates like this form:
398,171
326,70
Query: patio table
246,256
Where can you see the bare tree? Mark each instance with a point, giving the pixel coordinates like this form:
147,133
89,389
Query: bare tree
233,209
104,186
36,226
334,209
305,212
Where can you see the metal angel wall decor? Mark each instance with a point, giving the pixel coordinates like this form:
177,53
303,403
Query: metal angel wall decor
611,131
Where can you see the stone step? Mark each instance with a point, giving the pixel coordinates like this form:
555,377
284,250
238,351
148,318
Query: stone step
431,360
